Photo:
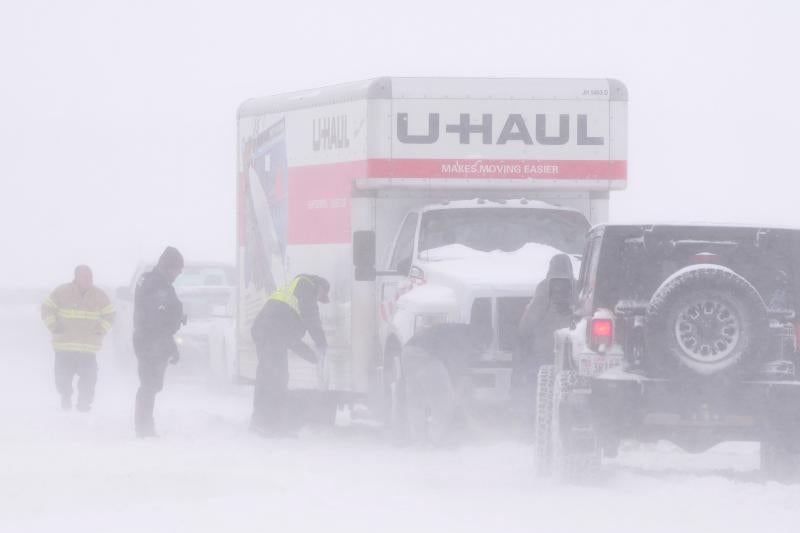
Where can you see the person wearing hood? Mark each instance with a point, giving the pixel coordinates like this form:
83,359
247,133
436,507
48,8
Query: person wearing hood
550,309
280,326
157,316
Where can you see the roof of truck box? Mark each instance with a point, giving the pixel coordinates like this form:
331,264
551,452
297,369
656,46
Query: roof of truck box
604,89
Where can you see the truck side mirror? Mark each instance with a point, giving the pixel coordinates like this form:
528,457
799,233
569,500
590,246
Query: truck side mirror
364,255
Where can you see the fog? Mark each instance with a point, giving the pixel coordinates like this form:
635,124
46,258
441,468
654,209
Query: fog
118,118
117,138
79,473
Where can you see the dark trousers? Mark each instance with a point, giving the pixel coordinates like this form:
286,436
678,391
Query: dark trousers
151,381
270,397
432,398
82,364
524,375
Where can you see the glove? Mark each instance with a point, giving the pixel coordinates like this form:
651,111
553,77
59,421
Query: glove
173,359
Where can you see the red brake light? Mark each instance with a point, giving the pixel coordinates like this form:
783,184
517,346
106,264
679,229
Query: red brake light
705,258
796,336
602,327
600,333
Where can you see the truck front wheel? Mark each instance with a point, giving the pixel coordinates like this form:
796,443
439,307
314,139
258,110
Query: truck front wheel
394,397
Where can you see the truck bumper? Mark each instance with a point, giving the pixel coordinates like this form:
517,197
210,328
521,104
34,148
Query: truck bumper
694,415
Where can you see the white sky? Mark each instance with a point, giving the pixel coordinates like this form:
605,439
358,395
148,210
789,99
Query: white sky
117,118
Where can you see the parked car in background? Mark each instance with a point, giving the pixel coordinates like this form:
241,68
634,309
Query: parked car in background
206,342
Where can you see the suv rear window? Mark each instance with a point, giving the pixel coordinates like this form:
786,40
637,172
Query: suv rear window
635,260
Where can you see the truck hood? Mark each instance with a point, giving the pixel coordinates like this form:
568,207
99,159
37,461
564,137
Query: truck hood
495,272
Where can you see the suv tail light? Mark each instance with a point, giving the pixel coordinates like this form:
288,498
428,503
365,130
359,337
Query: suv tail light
796,336
601,331
705,258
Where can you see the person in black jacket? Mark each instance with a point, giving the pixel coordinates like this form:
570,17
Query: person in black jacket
157,316
279,327
550,309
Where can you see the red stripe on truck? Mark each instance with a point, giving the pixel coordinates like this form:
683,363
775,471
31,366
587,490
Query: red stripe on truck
319,202
319,195
498,168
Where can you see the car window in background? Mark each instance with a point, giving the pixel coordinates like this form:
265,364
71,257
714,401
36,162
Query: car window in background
198,305
210,276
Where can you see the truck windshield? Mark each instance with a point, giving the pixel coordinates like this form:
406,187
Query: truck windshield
506,229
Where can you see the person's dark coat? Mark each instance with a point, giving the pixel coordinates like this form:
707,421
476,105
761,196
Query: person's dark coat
550,309
280,325
157,316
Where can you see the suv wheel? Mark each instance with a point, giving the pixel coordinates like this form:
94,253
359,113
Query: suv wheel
778,463
707,319
575,448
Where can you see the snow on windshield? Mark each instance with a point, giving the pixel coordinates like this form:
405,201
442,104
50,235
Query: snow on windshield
505,229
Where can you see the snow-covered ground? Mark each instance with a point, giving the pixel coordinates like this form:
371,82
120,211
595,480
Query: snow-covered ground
85,473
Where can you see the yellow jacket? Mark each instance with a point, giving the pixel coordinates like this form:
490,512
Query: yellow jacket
78,321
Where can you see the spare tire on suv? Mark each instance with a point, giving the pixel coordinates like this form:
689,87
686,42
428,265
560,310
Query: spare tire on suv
706,319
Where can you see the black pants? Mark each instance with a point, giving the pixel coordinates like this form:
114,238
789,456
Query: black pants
151,381
524,376
270,397
84,364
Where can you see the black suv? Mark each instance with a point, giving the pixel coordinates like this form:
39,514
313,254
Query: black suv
683,333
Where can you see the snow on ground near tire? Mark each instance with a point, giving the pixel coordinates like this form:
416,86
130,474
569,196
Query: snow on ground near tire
73,472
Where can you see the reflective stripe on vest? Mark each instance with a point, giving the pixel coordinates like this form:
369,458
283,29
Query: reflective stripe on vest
286,294
76,347
79,314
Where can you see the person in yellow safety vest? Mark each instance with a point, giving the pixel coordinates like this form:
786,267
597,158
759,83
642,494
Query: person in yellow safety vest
279,327
78,315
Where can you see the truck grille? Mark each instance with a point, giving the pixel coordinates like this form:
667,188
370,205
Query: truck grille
509,312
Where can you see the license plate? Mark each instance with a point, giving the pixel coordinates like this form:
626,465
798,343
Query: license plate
592,365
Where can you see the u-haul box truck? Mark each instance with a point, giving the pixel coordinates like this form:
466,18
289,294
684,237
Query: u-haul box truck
466,186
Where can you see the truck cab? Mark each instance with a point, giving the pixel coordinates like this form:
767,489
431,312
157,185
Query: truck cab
473,261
